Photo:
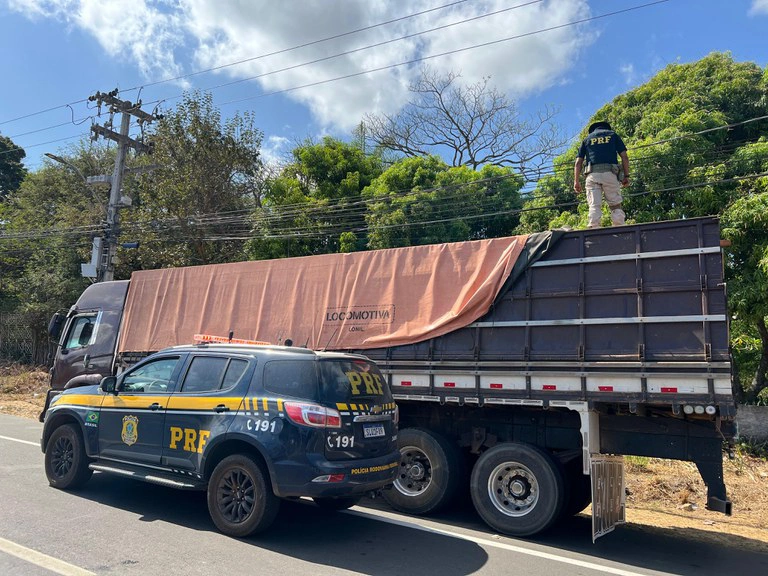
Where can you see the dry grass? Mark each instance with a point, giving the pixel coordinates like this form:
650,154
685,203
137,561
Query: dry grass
662,494
22,390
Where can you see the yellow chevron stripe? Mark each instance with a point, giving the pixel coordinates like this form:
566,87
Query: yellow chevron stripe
91,400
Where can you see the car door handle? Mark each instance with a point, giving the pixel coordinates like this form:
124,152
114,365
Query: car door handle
221,408
155,406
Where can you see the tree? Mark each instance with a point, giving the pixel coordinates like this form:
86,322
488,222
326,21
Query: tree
425,201
685,165
745,224
12,171
475,124
49,223
193,208
314,206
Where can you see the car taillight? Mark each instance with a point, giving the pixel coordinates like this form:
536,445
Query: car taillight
313,415
396,415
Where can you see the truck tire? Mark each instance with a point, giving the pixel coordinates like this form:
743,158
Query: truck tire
335,504
517,489
240,497
429,475
66,463
579,488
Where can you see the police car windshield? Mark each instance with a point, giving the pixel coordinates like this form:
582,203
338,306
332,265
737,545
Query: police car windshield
352,380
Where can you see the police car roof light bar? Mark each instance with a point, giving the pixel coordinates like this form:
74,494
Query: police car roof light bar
209,338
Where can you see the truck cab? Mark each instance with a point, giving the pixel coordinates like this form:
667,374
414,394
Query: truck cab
87,337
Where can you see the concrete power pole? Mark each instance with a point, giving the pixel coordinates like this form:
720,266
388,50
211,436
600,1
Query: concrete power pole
105,248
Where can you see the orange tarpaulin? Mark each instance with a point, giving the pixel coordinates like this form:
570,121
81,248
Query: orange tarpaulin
332,301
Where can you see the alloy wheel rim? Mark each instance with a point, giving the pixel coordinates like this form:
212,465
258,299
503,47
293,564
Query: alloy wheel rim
236,495
63,456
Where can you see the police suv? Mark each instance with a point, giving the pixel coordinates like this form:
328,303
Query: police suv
249,424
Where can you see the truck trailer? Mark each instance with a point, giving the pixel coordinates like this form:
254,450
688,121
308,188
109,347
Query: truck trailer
524,367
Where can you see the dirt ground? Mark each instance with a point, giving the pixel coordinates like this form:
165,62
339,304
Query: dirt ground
661,494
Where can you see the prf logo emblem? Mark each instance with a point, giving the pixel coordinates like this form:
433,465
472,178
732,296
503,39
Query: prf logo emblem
130,430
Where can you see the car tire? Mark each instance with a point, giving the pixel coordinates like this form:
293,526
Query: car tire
66,463
429,475
336,504
240,497
518,489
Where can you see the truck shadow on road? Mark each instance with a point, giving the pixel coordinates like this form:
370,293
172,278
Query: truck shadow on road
367,546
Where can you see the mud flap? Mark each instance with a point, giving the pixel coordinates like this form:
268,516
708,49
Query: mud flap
608,495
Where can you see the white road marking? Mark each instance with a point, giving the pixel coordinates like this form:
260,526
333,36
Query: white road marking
42,560
390,518
22,441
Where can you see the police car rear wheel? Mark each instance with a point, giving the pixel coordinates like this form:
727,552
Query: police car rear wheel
66,464
336,503
240,498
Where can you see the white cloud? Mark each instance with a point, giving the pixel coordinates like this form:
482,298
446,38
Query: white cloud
759,8
145,31
274,150
628,72
165,37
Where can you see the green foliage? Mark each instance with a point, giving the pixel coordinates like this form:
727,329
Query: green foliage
40,262
190,209
314,205
546,206
424,201
12,171
677,175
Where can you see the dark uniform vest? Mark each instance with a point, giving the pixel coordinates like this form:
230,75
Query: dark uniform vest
601,147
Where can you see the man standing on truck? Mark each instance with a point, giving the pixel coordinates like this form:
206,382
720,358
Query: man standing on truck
600,148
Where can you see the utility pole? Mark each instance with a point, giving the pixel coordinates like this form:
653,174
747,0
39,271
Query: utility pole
105,248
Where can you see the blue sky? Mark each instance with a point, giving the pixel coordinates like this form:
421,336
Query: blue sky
61,51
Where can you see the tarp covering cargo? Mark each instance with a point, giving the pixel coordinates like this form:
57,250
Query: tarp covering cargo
335,301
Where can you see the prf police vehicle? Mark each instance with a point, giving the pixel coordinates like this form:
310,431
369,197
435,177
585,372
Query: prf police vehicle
250,424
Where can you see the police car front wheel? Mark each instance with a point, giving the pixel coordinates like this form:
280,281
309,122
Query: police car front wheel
66,463
240,497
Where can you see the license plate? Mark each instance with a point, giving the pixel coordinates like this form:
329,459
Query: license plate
373,430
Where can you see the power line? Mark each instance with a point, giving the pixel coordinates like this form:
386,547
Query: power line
212,69
299,46
447,53
355,50
400,64
69,231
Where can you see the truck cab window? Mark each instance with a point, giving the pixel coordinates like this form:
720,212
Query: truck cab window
81,332
153,377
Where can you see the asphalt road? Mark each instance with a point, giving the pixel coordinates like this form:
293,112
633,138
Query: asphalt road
118,526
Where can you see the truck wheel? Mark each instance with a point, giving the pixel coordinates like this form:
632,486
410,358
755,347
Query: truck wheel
429,475
240,498
579,489
66,463
333,504
517,489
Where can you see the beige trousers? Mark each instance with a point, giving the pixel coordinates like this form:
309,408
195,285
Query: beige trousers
599,184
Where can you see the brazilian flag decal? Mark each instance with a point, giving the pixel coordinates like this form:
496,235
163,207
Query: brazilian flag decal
92,417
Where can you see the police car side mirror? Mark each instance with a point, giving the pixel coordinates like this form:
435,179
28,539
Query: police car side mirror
109,384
